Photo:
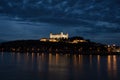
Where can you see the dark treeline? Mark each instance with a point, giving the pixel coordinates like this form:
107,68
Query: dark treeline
59,47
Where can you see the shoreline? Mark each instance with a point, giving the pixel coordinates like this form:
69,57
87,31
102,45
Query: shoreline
36,46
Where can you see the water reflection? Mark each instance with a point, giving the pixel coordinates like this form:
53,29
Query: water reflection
90,60
18,57
109,63
75,60
61,66
26,58
50,58
80,59
13,57
43,57
2,54
33,57
112,65
114,62
39,62
57,59
98,61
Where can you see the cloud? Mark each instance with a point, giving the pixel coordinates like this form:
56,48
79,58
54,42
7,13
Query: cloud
99,31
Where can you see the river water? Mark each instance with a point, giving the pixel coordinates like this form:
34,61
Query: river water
43,66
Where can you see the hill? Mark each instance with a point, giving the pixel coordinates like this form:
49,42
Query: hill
53,47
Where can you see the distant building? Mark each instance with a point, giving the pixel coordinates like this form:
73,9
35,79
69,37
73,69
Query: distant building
78,41
116,50
53,40
113,48
59,36
48,40
44,39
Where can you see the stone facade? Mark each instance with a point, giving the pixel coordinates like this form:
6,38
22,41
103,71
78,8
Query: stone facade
59,36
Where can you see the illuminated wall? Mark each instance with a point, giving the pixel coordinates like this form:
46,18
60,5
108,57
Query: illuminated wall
58,36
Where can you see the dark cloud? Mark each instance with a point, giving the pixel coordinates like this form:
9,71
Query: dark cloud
98,31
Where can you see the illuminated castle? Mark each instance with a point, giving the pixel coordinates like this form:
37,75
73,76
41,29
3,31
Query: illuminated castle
59,36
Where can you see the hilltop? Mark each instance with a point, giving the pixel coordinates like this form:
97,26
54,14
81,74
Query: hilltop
63,46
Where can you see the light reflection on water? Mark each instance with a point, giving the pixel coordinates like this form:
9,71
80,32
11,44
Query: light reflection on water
112,65
41,66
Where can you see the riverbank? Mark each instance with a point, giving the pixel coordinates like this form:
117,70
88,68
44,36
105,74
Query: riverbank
36,46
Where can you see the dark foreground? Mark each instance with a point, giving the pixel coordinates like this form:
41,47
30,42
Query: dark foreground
40,66
37,46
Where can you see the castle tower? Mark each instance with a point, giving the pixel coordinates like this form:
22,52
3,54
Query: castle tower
50,35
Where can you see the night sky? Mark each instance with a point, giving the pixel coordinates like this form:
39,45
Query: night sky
97,20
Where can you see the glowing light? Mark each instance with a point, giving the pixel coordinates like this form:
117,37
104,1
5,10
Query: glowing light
58,36
98,59
50,58
109,64
75,59
108,45
42,56
57,58
114,45
32,57
13,49
43,39
114,62
77,41
90,59
114,65
53,40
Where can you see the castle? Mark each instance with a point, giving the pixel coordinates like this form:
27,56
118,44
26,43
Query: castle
55,37
59,36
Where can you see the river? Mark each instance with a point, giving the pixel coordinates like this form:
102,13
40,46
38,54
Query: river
43,66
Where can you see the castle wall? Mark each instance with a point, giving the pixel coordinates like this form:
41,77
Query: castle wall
58,36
